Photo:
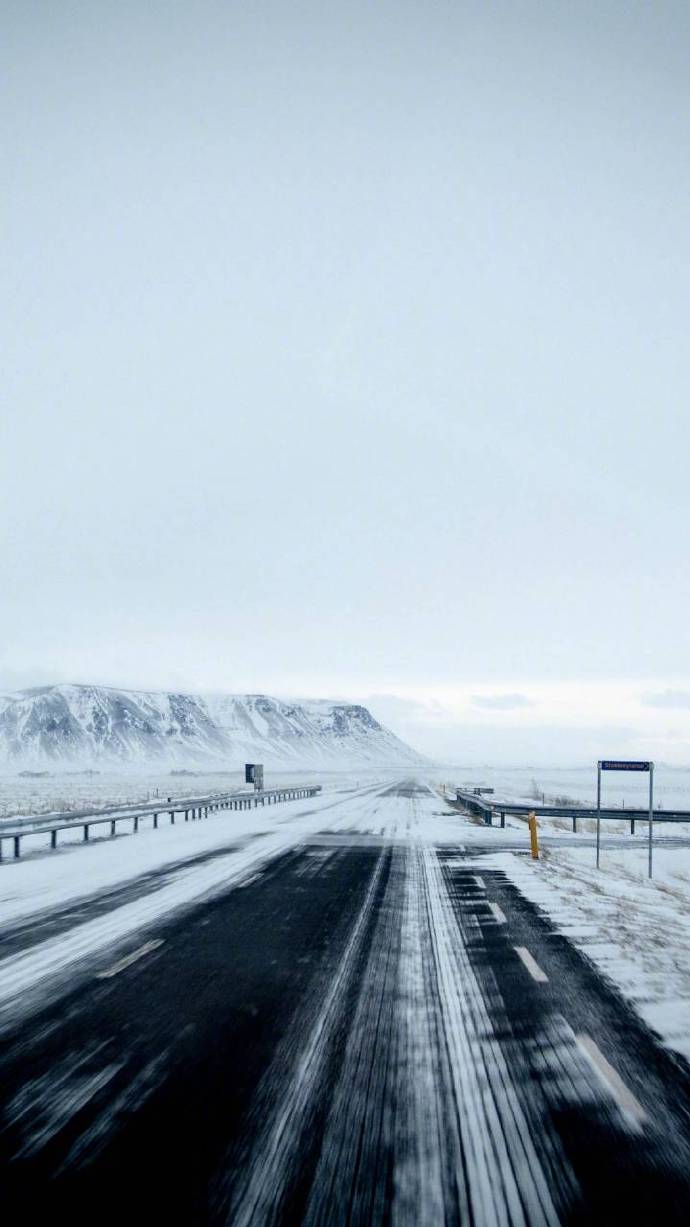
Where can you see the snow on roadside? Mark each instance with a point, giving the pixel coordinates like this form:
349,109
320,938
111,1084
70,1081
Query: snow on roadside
637,932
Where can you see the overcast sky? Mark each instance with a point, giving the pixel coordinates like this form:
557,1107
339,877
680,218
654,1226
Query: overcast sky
346,353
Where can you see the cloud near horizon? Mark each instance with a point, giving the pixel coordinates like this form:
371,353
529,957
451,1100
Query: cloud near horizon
501,702
675,699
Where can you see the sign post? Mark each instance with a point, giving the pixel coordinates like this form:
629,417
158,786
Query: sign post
612,764
598,811
651,827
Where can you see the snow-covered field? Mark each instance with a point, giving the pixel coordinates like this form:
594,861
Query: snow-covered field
558,785
578,785
62,791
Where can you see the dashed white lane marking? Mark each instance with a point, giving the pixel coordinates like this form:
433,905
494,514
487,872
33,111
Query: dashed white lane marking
531,964
480,882
129,959
625,1099
498,914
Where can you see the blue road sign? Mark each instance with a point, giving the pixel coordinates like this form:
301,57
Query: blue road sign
614,764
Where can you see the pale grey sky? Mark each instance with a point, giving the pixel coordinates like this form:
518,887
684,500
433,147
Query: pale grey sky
346,353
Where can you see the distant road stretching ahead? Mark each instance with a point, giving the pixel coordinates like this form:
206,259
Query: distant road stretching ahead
369,1030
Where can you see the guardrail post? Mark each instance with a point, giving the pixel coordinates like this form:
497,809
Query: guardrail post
574,824
53,839
172,817
632,826
17,847
112,826
136,823
155,821
86,832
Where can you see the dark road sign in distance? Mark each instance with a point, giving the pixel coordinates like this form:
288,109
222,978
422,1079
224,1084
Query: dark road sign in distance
254,774
614,764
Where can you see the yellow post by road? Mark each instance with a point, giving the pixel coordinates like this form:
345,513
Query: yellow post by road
533,835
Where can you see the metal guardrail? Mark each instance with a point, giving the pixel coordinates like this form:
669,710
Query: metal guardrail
194,809
489,809
122,810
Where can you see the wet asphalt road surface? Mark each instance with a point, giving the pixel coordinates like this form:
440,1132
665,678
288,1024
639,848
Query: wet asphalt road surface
370,1031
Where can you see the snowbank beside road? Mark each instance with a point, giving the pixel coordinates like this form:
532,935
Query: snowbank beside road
636,931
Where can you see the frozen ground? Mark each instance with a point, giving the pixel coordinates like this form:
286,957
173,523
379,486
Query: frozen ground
577,785
63,791
554,785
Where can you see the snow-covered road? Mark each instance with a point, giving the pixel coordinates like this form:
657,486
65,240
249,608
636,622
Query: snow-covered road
338,1012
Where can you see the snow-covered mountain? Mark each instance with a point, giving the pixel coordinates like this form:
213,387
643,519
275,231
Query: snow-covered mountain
53,725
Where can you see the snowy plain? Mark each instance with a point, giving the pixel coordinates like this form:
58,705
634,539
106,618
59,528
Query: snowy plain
64,791
560,785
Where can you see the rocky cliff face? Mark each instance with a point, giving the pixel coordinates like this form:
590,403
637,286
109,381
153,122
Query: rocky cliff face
86,725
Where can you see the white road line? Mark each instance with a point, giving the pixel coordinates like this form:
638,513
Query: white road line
532,966
625,1099
498,914
129,959
480,882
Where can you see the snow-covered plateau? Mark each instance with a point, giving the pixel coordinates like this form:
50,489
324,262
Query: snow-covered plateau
97,726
